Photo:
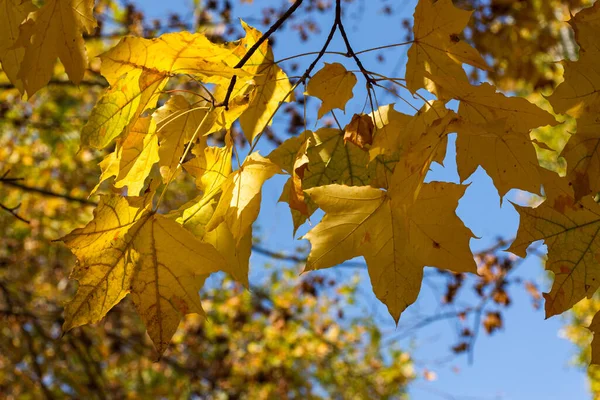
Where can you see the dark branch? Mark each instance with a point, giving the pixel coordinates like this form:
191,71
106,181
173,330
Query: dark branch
56,82
12,182
255,47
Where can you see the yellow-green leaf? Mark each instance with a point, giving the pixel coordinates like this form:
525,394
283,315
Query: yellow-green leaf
121,106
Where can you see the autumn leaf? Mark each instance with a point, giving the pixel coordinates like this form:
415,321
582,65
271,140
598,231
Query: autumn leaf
55,31
132,160
359,131
595,329
396,238
508,157
437,47
586,24
570,231
240,200
399,133
121,106
271,88
482,104
178,122
195,216
210,167
11,56
333,85
582,153
171,53
330,160
581,86
126,249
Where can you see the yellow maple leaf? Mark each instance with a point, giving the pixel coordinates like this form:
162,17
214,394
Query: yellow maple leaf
570,230
271,88
171,53
482,104
581,85
132,160
121,106
12,13
211,166
582,154
240,201
177,122
396,238
126,249
508,157
398,133
333,85
437,48
195,216
55,31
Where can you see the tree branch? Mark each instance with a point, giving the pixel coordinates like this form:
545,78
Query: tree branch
57,82
255,47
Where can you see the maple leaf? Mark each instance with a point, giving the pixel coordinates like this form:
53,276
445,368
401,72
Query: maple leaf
330,160
195,216
508,157
240,200
399,133
581,86
271,88
482,104
126,249
570,231
359,131
171,53
582,154
132,160
55,31
389,125
178,122
121,106
595,329
211,166
437,48
586,25
12,14
333,85
397,238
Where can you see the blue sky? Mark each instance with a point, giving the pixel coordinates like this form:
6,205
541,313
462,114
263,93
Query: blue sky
527,360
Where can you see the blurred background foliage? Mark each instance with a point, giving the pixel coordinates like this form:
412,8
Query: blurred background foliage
289,337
